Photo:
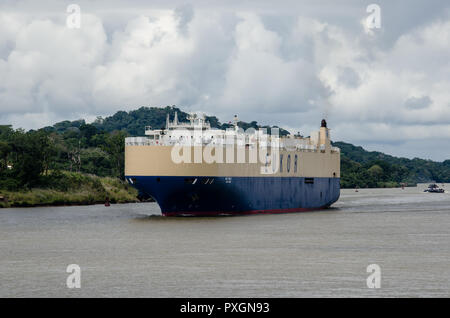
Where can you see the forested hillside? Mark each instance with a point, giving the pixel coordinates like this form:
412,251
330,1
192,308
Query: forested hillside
41,158
135,121
361,168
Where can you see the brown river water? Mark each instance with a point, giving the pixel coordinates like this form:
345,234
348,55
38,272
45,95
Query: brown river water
131,251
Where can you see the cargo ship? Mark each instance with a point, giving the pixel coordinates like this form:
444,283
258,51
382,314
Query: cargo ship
191,169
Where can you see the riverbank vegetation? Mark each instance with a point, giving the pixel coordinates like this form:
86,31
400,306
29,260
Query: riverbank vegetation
60,168
74,162
69,188
373,169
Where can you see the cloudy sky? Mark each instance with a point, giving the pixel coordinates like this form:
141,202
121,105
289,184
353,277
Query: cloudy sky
287,63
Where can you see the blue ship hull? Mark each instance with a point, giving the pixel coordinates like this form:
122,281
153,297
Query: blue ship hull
237,195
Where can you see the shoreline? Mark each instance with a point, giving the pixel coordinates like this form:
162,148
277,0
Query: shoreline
66,204
50,197
71,189
81,198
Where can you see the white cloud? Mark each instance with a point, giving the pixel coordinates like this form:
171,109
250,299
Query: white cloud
379,108
49,70
390,86
259,79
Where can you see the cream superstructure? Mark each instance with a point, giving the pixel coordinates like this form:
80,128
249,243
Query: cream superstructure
152,155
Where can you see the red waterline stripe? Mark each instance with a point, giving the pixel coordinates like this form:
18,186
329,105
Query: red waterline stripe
276,211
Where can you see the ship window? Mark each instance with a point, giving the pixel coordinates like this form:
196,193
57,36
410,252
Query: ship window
281,163
309,180
295,163
288,164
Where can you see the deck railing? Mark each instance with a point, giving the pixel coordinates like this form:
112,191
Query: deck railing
145,141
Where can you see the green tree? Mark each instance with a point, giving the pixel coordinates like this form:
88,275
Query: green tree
5,150
28,156
115,147
376,171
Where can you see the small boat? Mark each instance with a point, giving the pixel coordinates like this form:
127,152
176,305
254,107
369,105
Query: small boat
434,188
107,201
